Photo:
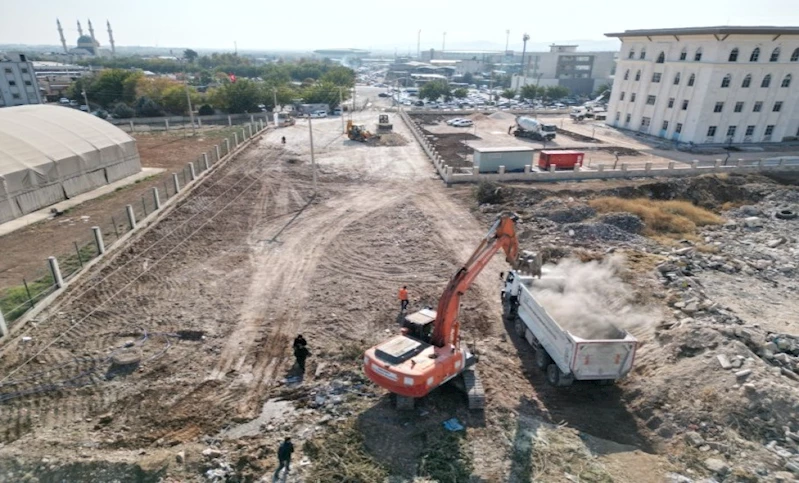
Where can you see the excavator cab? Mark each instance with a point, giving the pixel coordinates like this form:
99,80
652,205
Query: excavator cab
419,325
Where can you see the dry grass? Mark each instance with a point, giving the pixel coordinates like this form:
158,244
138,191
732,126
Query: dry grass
341,457
661,217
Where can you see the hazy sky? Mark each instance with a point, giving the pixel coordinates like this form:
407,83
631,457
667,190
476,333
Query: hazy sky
313,24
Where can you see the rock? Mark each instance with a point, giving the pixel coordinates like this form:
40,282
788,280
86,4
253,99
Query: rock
749,388
753,222
789,374
684,251
776,242
106,418
792,467
694,439
624,221
691,308
211,453
783,343
736,363
180,457
724,361
783,477
749,210
717,466
743,374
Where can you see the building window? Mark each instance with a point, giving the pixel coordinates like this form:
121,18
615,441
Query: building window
12,83
627,119
777,107
684,54
755,55
691,80
711,131
685,104
795,55
719,107
632,97
677,79
725,82
775,55
28,83
8,70
638,75
661,58
766,81
678,129
665,125
769,130
750,130
698,55
747,81
733,55
656,77
671,102
731,131
650,100
643,54
618,116
621,96
758,107
645,122
627,74
24,71
786,81
631,55
739,107
15,96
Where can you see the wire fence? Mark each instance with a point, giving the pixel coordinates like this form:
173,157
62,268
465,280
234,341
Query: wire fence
16,300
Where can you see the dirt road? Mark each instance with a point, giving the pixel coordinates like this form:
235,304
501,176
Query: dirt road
210,299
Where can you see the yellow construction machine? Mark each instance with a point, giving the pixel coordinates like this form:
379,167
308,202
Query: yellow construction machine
358,132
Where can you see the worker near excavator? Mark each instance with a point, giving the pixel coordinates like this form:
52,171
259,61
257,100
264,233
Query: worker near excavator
300,342
403,296
284,452
301,353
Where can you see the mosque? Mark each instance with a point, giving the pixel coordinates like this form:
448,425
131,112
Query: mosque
87,44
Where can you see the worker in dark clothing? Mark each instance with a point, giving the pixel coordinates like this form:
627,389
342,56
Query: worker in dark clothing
301,353
283,139
284,457
403,296
510,128
300,342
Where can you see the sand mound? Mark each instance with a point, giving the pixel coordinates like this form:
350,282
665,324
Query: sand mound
477,116
503,116
391,139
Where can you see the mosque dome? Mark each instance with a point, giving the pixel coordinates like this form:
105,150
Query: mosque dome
85,41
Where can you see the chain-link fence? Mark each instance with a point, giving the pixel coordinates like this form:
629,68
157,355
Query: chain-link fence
17,298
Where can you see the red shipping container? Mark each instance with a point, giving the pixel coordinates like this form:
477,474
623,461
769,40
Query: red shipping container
560,159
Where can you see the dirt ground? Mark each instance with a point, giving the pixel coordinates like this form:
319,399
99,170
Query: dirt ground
25,251
172,361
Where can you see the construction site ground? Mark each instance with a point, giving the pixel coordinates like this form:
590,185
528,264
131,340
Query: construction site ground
172,360
25,251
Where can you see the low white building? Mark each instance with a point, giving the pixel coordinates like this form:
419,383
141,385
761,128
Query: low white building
706,85
18,84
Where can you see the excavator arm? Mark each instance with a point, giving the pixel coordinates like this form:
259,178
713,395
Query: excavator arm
502,235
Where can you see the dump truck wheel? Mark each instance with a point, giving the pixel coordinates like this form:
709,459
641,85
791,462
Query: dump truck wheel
542,359
553,375
518,326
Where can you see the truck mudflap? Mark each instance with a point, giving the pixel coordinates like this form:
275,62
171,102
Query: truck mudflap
603,359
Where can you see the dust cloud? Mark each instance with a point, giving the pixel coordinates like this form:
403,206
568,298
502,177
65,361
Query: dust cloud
589,299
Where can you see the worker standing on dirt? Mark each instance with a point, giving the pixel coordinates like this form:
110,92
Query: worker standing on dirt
284,457
300,342
510,128
283,139
403,296
300,354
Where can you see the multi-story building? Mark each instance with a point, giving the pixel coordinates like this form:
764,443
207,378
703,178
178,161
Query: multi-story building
581,72
708,84
18,84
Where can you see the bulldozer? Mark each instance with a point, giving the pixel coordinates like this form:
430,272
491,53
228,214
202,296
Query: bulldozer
358,132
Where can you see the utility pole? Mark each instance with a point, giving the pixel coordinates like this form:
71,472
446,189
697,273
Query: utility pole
419,45
191,109
444,43
507,39
86,100
313,160
274,94
525,38
341,106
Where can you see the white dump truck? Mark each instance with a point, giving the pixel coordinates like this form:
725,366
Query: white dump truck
564,356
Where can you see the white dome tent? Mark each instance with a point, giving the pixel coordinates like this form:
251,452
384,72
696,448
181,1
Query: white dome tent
52,153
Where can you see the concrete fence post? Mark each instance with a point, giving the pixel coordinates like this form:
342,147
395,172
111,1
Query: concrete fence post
249,126
501,170
229,121
176,182
243,135
56,271
648,167
156,198
739,163
624,167
98,240
199,122
205,162
782,162
131,216
217,152
235,139
717,164
449,173
166,124
694,164
192,173
3,326
552,168
131,126
601,168
760,163
671,164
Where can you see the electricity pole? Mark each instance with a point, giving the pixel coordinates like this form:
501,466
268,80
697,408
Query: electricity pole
274,94
444,43
419,45
341,107
86,100
313,160
191,110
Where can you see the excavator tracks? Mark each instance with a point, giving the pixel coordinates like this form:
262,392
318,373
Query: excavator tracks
474,389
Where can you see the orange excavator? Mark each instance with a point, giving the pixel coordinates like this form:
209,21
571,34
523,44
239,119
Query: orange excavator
428,352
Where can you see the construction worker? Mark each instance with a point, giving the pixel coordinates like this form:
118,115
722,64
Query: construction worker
300,354
510,128
403,296
300,342
284,457
283,139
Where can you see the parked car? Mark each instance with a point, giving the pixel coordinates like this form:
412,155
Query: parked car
337,111
384,94
463,123
63,100
84,108
452,121
319,114
73,103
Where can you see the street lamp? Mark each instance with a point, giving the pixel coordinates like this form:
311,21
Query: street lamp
525,38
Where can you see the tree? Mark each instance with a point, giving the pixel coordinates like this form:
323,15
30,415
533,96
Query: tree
206,110
323,93
107,88
340,76
556,92
468,78
146,107
190,55
509,93
460,92
123,111
530,92
237,97
434,89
